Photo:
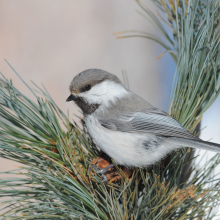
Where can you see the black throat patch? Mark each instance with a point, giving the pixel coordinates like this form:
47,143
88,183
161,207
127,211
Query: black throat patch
85,106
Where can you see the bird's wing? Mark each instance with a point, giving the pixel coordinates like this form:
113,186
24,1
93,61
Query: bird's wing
152,121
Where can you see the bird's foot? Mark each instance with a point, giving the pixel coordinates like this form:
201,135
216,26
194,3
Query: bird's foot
102,166
102,172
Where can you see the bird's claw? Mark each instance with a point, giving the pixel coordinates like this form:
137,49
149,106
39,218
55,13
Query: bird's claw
103,167
102,172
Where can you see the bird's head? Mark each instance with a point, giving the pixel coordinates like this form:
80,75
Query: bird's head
94,88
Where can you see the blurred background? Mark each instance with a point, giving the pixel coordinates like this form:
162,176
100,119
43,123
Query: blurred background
51,41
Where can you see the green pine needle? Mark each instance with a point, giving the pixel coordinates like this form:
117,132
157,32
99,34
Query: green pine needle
55,180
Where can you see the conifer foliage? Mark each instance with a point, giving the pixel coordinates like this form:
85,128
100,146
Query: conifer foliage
55,180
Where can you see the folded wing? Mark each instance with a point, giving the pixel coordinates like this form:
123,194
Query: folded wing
152,121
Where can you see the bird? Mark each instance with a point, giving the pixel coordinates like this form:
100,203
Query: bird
126,127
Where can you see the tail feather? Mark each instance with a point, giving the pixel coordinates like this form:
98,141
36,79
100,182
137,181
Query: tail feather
200,144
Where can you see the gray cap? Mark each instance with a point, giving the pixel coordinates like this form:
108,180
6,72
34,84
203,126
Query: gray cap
90,77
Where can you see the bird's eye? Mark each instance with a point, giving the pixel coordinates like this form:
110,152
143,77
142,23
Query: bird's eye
88,87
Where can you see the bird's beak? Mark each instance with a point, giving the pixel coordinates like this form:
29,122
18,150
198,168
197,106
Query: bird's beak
71,98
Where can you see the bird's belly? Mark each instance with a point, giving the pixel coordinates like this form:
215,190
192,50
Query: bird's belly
127,149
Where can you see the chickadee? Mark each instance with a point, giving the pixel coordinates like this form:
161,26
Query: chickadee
126,127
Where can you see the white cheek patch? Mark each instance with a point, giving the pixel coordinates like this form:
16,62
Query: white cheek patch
104,93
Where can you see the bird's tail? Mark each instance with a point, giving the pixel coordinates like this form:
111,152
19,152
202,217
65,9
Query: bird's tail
200,144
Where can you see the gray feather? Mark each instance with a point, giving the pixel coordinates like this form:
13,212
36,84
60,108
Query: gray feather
91,77
200,144
134,114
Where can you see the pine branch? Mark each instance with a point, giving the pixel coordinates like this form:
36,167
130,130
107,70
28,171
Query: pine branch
55,180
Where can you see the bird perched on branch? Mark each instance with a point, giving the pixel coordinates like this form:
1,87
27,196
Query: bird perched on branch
126,127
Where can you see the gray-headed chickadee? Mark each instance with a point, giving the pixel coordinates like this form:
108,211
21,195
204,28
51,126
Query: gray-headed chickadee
126,127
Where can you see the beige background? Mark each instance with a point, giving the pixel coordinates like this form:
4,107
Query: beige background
50,41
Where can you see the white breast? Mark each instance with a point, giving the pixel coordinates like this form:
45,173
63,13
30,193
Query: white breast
125,148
